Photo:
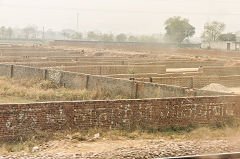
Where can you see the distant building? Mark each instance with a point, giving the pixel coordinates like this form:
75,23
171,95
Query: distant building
221,45
238,36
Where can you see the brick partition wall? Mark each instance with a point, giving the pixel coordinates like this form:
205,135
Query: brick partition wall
20,119
92,82
195,81
126,87
220,71
181,81
187,63
114,69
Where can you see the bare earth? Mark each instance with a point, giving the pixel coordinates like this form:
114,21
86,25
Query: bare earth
138,148
128,149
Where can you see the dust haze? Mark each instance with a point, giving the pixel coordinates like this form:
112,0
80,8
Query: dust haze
118,16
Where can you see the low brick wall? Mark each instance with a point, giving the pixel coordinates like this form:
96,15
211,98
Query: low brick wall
129,88
175,81
195,81
220,71
227,81
187,63
20,119
115,69
154,75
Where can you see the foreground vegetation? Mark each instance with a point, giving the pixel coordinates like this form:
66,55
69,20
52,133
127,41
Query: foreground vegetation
219,131
39,91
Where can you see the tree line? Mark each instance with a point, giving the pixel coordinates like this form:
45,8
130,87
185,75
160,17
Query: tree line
32,32
178,30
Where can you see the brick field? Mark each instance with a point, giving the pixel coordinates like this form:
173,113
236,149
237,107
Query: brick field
164,84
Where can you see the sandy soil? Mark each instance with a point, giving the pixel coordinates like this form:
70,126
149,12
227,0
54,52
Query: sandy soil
127,149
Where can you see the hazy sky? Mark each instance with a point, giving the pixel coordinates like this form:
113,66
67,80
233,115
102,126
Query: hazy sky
128,16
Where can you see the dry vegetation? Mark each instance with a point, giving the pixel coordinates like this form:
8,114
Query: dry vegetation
12,90
66,141
117,138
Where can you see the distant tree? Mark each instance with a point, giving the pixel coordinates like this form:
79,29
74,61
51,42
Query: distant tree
121,38
68,33
2,32
147,39
132,38
178,29
77,36
50,34
212,31
227,37
30,31
9,32
107,37
93,36
65,34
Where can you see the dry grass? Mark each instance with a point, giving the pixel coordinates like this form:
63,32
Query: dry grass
39,91
227,130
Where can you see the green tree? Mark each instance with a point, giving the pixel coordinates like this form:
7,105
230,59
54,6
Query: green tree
2,32
68,34
121,38
132,38
9,32
93,36
147,39
212,31
227,37
30,31
107,37
77,36
178,29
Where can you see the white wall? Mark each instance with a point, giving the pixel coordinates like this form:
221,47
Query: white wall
218,45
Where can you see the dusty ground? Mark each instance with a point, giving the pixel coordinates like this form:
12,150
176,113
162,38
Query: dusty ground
236,90
137,144
198,143
129,149
148,51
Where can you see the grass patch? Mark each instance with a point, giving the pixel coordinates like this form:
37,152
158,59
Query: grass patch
15,148
12,90
79,137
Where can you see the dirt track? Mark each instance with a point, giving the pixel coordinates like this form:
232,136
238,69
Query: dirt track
142,149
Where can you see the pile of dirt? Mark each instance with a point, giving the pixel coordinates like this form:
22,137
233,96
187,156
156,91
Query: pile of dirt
217,88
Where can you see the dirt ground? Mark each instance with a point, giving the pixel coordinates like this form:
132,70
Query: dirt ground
142,147
125,148
148,51
236,90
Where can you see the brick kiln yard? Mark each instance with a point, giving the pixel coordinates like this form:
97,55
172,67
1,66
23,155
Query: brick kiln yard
160,118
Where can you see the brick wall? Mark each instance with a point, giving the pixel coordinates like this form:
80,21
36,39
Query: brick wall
116,69
5,70
228,81
175,81
20,72
20,119
220,71
154,75
196,81
92,82
187,63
